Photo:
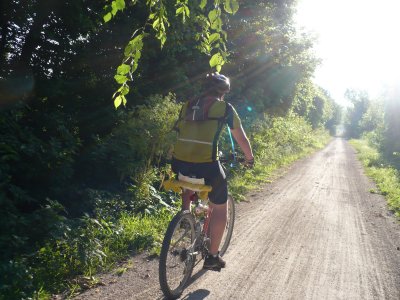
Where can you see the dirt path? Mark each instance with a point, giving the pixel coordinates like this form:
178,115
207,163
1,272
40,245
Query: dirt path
316,233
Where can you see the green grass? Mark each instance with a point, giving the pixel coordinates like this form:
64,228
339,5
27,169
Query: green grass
70,263
385,176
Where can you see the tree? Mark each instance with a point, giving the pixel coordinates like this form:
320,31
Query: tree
335,119
268,59
360,102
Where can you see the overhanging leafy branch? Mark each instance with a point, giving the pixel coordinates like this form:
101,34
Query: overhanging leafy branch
212,38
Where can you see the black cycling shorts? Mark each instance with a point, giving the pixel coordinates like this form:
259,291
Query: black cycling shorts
212,173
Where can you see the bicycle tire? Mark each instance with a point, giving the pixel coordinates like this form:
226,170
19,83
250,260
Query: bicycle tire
230,222
165,268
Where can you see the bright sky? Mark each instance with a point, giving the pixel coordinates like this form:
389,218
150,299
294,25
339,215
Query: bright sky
358,41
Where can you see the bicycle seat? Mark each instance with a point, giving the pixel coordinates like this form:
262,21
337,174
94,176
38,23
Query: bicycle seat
185,182
196,181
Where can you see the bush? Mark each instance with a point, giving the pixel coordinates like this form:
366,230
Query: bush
143,137
274,138
41,247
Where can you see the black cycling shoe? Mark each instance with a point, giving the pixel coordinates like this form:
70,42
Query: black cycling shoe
214,263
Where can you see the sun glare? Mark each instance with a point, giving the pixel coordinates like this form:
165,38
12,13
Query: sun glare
357,41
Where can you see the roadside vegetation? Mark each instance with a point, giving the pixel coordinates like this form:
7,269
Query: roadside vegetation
386,177
123,224
80,180
374,126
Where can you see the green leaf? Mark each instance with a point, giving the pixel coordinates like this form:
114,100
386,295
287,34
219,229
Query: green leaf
117,101
215,60
107,17
213,38
123,100
235,6
137,42
134,67
217,24
213,14
163,39
128,50
215,20
231,6
180,10
183,10
206,48
138,55
134,46
203,4
228,6
123,69
120,4
156,23
114,9
121,79
124,90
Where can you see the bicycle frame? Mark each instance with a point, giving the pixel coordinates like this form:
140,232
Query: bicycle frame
172,280
202,235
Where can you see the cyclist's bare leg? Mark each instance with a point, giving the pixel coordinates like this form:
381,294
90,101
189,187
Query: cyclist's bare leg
217,225
186,199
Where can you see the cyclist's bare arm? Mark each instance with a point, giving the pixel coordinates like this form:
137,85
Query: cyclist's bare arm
242,140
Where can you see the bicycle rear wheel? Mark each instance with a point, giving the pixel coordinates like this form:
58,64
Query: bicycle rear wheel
226,238
177,255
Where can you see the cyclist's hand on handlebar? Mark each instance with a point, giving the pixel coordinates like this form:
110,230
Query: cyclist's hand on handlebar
249,163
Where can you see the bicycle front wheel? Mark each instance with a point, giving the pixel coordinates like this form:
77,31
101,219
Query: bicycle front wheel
226,238
177,255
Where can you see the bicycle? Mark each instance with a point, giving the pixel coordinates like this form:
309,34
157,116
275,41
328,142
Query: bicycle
186,240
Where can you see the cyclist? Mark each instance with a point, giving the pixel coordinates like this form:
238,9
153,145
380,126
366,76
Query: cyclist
196,153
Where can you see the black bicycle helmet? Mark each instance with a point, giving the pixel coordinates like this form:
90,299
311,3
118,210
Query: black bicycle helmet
216,82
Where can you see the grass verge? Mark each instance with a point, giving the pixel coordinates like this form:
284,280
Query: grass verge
385,176
69,263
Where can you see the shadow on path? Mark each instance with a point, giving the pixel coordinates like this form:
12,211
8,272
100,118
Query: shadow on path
197,295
